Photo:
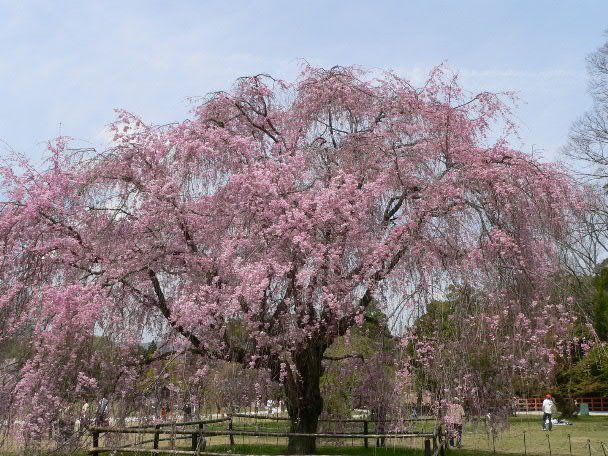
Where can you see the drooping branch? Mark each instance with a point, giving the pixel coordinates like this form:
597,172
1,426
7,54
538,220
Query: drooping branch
161,304
341,358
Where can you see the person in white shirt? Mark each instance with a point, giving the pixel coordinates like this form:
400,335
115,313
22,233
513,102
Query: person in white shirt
548,407
83,419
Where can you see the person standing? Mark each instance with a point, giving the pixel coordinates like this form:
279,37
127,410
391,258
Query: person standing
83,419
187,411
454,420
102,412
548,408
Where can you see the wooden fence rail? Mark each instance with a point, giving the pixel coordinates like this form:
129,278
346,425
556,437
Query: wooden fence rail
338,420
180,423
338,435
198,438
206,453
427,451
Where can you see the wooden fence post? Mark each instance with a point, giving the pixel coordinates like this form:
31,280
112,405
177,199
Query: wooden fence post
203,439
230,429
95,442
172,441
156,436
380,441
427,447
365,431
199,442
194,440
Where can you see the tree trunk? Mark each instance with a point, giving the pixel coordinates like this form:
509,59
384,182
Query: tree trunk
304,401
306,423
566,406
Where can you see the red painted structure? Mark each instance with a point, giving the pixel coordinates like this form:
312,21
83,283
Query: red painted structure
596,404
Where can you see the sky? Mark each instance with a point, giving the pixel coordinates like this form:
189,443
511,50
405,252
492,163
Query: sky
66,65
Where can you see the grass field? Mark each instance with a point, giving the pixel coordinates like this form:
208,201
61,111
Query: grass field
583,438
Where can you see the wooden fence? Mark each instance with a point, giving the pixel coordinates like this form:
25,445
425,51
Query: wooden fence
197,432
534,404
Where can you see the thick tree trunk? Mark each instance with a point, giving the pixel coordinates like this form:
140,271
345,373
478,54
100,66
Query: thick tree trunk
304,401
306,422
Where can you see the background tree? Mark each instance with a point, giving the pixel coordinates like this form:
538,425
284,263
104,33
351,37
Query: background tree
599,313
585,252
484,349
588,376
262,229
587,149
589,135
360,372
581,372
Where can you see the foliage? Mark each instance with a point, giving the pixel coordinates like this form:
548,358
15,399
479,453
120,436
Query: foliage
262,229
589,135
586,377
576,374
495,349
359,371
600,304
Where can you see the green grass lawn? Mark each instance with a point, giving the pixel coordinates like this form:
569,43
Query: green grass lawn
586,433
585,437
270,449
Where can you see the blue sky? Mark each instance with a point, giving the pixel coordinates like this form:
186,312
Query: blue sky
73,62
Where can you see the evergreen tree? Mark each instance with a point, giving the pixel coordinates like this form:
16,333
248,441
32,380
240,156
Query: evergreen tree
600,304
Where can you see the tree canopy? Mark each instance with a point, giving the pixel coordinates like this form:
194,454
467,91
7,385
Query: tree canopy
262,229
